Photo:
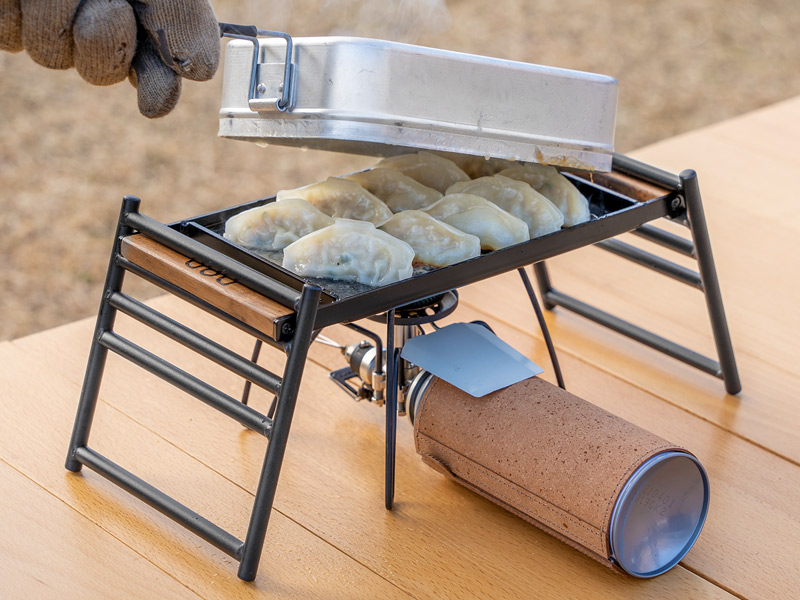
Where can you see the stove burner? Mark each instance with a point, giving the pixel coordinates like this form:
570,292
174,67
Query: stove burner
426,310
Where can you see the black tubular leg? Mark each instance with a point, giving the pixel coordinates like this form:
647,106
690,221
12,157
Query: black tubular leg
247,384
551,349
98,353
665,239
391,410
191,339
187,383
272,407
641,335
265,493
545,286
708,275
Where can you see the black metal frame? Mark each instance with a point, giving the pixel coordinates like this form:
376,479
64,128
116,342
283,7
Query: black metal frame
247,552
686,197
613,214
315,308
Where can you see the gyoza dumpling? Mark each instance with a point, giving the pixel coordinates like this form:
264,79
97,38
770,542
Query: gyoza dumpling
398,191
275,225
435,243
426,168
341,198
555,187
534,174
517,198
472,214
477,166
350,251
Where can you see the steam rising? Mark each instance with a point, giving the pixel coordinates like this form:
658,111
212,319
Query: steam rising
396,20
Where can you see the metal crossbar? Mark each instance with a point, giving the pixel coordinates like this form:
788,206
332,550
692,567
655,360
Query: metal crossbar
166,505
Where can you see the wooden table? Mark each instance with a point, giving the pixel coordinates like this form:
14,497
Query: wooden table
78,536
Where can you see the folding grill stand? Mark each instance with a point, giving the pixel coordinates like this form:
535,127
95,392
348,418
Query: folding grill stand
705,280
293,332
297,338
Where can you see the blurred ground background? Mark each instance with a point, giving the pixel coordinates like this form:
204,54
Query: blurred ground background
69,151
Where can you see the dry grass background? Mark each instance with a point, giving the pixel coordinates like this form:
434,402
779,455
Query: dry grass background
70,151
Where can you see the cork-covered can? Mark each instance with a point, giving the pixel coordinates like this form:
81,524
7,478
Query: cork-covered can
620,494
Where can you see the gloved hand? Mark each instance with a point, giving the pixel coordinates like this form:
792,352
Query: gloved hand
152,42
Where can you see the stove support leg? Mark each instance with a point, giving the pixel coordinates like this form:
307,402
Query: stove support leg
265,493
98,353
551,349
392,366
708,276
247,384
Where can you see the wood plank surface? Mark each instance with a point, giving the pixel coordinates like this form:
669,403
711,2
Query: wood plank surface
53,551
332,484
329,534
296,563
753,491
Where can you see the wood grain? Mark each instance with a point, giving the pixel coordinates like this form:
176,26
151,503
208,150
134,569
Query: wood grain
295,564
334,459
753,491
205,283
50,550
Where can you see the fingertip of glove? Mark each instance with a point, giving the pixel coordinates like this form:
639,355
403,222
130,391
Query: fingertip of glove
104,32
10,44
46,32
10,26
158,87
186,35
203,64
160,106
196,59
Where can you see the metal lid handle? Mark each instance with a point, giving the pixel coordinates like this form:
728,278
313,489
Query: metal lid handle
286,101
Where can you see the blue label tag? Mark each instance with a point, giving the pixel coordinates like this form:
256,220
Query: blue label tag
470,357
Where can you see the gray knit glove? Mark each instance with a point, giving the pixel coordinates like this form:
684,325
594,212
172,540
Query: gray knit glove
152,42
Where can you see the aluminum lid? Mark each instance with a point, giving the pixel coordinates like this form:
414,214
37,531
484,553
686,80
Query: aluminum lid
380,98
659,514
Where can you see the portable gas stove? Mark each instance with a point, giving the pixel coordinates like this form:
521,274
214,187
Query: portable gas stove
380,98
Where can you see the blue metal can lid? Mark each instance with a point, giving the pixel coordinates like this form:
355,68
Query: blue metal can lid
659,514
